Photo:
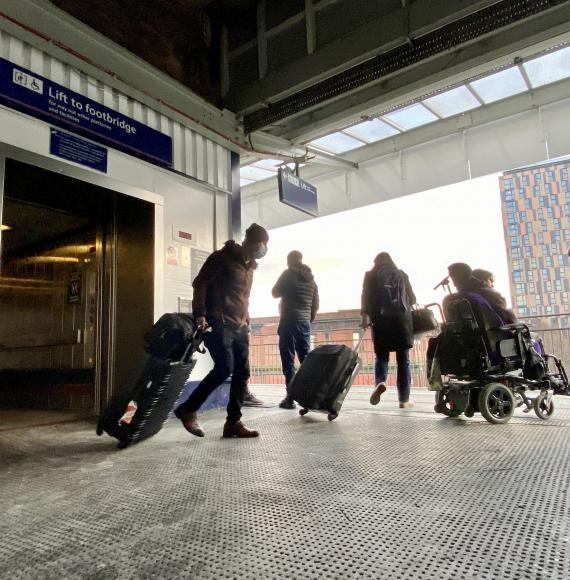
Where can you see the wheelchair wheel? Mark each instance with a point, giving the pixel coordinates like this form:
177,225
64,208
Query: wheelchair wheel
445,406
543,405
497,403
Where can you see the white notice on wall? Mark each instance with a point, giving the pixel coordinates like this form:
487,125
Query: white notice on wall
184,256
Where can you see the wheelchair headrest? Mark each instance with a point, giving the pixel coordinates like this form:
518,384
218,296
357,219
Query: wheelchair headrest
484,314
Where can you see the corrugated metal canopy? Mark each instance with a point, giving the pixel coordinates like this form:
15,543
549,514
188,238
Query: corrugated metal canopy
510,116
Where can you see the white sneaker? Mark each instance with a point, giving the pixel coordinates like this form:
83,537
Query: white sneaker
406,405
378,391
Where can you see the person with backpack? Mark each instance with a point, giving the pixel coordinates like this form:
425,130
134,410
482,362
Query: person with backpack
298,307
387,299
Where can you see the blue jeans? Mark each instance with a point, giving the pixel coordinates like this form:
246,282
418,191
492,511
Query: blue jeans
229,348
294,337
404,376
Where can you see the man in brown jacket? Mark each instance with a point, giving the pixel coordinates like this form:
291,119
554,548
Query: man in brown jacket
221,301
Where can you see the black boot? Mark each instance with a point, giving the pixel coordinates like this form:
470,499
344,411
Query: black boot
250,400
287,403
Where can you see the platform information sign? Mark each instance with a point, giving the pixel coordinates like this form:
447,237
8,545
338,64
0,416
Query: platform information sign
297,193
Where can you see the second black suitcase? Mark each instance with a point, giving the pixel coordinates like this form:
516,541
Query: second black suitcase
324,379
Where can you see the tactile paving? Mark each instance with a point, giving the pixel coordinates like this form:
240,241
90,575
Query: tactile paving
375,494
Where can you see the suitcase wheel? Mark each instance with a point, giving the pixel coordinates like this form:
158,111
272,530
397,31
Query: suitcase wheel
123,444
332,416
99,429
303,411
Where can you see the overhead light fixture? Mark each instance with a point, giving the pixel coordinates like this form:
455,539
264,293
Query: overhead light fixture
4,228
48,260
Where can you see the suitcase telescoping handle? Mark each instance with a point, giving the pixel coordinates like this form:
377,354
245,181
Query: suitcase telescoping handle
194,344
360,340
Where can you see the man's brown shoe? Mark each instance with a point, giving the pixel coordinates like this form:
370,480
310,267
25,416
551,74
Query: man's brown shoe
238,430
190,422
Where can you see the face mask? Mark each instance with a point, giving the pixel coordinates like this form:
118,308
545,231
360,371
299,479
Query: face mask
260,252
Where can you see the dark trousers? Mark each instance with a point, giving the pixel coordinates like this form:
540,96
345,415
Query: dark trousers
229,348
404,377
294,337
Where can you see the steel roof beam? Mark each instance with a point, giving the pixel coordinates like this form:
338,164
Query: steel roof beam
446,69
349,48
521,103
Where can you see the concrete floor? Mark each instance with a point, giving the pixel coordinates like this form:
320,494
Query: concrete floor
378,493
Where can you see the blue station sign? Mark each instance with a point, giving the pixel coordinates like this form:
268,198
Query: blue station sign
39,97
297,193
74,148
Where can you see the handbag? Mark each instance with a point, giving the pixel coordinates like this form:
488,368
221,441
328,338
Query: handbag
433,368
423,320
535,367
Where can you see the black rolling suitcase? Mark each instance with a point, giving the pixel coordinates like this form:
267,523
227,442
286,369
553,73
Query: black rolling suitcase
325,377
171,344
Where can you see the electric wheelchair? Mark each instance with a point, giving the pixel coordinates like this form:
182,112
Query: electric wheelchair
478,364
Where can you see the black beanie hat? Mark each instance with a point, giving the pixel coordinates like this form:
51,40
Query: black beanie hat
256,233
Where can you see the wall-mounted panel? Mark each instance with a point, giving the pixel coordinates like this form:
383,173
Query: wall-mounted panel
556,124
506,144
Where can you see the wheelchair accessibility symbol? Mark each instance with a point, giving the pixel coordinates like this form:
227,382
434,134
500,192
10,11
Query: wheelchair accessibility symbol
28,81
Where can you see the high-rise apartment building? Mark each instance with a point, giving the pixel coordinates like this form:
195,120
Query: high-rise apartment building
535,204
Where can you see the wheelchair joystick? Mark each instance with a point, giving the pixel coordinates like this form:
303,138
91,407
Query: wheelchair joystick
444,284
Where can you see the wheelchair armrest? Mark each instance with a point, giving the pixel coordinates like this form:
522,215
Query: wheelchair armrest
514,326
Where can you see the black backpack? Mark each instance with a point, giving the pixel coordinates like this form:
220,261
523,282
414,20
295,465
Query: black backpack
391,295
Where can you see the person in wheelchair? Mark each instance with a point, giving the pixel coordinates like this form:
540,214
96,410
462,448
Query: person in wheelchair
497,301
487,357
485,277
465,280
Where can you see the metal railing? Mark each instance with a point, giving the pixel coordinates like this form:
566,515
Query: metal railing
265,361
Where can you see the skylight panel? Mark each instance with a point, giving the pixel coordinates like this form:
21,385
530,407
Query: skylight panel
336,143
270,164
453,102
548,68
255,173
244,182
500,85
411,117
373,130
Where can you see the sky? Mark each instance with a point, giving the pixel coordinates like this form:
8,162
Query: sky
424,233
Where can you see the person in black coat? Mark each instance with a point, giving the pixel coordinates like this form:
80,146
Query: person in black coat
299,305
387,299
